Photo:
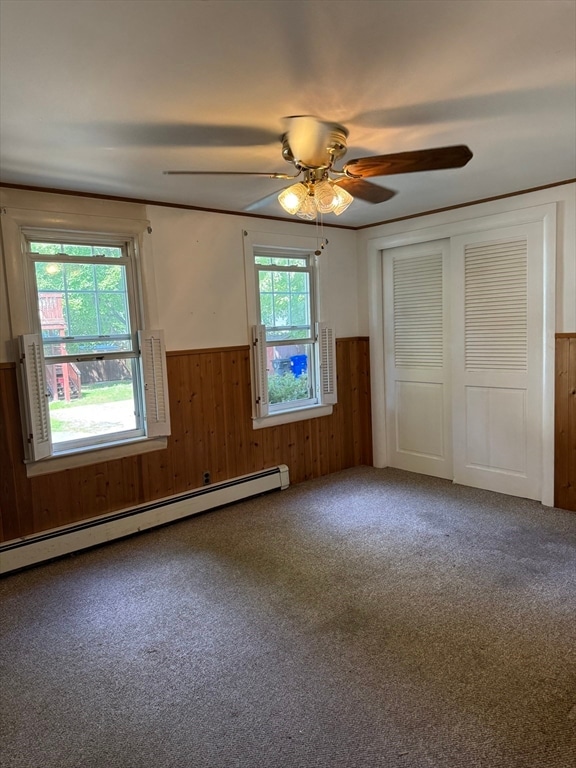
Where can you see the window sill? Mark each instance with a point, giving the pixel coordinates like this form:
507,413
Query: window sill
94,456
287,417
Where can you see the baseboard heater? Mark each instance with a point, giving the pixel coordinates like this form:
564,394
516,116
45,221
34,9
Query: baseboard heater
29,550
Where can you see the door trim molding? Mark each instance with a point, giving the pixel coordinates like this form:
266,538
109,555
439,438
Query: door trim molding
546,214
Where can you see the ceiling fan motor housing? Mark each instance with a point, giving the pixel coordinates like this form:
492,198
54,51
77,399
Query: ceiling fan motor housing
336,146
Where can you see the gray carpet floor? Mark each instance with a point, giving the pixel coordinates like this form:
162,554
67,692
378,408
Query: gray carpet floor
369,618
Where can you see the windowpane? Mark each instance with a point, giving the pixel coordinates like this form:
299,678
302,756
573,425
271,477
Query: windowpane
289,373
82,300
79,277
93,348
81,314
113,314
267,309
49,276
298,281
91,399
281,309
75,249
110,277
288,334
285,303
280,281
282,261
299,309
265,281
52,314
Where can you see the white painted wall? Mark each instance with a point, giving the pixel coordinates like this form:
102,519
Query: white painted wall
565,198
196,262
200,282
193,265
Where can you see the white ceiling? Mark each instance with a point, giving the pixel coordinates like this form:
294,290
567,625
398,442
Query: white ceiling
103,95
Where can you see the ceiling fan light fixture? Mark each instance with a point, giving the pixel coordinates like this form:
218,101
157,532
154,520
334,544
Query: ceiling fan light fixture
344,199
292,197
325,196
308,208
307,200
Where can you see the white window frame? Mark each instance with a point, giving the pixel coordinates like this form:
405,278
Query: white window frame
17,226
323,341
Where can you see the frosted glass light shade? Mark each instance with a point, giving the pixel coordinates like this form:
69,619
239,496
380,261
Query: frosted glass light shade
344,200
306,200
292,197
308,208
325,196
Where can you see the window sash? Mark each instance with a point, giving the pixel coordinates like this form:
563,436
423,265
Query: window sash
82,236
292,405
63,258
282,255
311,296
288,341
275,268
127,246
104,438
122,354
321,372
150,399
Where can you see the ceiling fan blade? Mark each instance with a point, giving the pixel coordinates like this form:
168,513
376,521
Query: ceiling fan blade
365,190
409,162
477,107
230,173
158,134
257,205
308,138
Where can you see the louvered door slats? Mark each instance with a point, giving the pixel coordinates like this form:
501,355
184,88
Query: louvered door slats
496,318
418,312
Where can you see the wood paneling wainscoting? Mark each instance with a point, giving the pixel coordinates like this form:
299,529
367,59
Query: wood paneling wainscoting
565,417
210,404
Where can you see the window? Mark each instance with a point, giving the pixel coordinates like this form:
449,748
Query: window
286,309
91,378
293,353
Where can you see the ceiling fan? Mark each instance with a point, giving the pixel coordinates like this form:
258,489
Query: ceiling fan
314,146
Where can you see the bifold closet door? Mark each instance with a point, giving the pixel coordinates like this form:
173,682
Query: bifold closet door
463,343
418,399
497,305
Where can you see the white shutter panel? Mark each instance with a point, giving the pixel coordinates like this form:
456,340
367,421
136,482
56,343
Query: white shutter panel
38,438
418,312
327,357
260,365
155,380
496,306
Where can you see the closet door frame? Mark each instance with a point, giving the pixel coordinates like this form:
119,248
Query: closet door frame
546,214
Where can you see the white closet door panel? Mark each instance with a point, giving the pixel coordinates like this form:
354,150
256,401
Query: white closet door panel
496,429
416,358
497,359
420,419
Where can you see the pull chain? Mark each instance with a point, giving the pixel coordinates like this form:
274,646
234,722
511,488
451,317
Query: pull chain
321,241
